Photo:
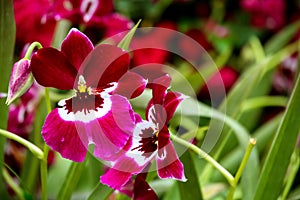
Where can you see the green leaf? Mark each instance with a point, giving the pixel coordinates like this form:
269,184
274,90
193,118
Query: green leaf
7,43
190,189
101,192
281,38
173,193
281,150
71,180
263,101
125,42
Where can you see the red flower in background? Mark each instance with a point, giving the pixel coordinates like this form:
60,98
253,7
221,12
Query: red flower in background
268,14
96,17
34,22
218,85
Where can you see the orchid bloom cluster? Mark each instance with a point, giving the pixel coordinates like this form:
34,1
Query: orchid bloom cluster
99,113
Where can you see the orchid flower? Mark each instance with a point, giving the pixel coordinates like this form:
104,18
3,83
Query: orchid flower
151,140
97,113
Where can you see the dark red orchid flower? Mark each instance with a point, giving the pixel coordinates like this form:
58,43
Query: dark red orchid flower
151,140
34,22
97,113
269,14
94,15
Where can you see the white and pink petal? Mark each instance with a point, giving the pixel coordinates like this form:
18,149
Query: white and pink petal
168,164
108,126
63,137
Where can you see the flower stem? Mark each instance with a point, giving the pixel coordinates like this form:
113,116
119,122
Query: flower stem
9,180
31,48
44,162
34,149
207,157
237,177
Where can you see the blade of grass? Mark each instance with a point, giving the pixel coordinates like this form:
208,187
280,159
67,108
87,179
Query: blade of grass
7,43
273,172
100,192
191,189
281,38
71,180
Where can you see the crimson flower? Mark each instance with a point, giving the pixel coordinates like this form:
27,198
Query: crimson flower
97,113
268,14
34,22
96,16
21,116
151,140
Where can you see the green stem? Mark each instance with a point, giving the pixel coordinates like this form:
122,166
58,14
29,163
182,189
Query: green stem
34,149
207,157
44,162
9,180
238,175
47,99
31,48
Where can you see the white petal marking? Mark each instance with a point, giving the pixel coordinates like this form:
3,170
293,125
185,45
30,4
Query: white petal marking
86,116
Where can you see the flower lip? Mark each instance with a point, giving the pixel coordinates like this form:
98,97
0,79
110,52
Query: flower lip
148,142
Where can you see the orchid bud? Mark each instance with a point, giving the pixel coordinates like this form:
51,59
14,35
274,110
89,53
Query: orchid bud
20,80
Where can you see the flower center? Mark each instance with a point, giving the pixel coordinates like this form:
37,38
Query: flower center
85,100
148,142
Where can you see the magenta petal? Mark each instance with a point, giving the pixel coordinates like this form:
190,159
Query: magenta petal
131,85
111,132
110,63
52,69
168,164
76,47
62,136
115,178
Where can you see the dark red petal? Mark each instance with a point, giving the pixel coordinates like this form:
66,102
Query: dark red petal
159,87
169,166
150,72
131,85
142,190
105,64
114,23
52,69
172,100
76,46
62,136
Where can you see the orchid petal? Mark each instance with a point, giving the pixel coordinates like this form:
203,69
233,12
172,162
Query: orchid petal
142,190
115,178
63,136
111,132
131,85
105,64
108,126
168,164
52,69
172,100
76,46
159,87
